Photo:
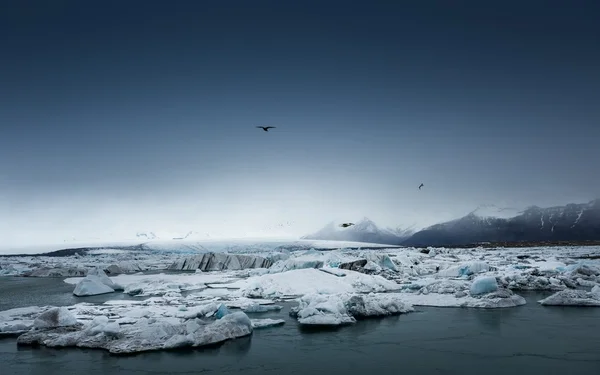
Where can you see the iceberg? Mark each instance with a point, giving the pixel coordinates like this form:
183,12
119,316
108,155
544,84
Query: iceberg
144,335
503,298
221,311
311,281
572,298
55,317
465,269
483,285
345,308
91,286
261,308
266,323
441,287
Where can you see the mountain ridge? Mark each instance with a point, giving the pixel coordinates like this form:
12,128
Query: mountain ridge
571,222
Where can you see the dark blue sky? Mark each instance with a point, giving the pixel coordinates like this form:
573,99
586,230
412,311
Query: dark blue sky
141,115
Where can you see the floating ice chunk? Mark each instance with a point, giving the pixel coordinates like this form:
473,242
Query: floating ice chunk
91,286
382,260
15,327
55,317
318,309
233,325
582,269
343,309
261,308
101,324
572,298
266,323
483,285
442,287
548,265
221,311
19,320
371,266
309,281
500,299
465,269
101,276
370,305
596,290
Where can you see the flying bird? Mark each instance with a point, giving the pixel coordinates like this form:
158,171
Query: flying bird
266,128
346,225
420,186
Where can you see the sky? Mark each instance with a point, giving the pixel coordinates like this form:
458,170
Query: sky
118,117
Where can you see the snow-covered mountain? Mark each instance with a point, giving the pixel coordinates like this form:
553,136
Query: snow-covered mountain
364,230
573,222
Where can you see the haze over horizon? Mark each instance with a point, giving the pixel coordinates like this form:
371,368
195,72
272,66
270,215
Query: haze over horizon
119,117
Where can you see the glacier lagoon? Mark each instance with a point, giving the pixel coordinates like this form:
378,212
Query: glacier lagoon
525,339
493,320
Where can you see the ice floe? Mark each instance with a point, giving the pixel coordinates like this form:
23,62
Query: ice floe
144,335
179,308
573,298
345,308
311,281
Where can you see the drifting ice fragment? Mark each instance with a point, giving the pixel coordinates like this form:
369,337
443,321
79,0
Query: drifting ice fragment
222,311
266,323
261,308
55,317
570,297
91,286
483,285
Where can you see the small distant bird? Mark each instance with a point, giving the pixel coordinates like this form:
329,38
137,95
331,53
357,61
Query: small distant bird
346,225
420,186
266,128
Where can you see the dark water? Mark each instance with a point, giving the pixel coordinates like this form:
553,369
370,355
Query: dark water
524,340
37,291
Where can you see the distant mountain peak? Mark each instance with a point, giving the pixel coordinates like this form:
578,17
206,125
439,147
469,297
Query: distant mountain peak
572,222
364,230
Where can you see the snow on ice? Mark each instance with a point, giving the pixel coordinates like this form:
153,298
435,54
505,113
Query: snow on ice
202,294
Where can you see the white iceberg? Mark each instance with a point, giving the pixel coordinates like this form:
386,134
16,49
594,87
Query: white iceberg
311,281
465,269
55,317
572,298
91,286
345,308
144,335
503,298
266,323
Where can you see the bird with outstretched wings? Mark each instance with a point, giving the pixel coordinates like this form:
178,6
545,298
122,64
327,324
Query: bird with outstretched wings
346,225
266,128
